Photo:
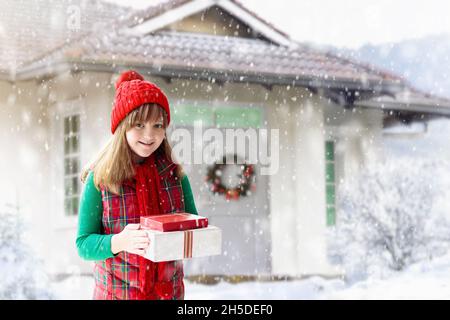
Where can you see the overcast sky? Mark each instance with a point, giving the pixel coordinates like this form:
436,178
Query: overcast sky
349,23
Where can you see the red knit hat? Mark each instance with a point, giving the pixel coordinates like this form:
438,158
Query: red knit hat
132,91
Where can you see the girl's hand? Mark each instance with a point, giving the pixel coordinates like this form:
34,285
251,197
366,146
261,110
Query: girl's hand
131,240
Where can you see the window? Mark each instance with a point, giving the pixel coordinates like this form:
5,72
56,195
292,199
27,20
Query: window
187,114
71,164
219,116
330,183
238,117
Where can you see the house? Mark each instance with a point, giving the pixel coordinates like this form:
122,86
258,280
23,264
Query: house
220,63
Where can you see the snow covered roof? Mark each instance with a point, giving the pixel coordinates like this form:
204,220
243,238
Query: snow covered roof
177,54
136,42
29,30
137,39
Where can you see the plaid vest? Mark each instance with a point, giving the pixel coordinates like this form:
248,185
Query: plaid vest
118,277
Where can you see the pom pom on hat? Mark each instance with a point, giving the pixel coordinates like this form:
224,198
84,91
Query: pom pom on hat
132,91
128,76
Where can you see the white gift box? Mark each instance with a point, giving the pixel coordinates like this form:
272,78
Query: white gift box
177,245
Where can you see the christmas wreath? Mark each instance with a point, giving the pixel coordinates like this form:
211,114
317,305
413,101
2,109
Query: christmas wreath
246,180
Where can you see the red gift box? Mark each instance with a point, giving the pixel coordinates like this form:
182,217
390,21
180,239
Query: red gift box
173,222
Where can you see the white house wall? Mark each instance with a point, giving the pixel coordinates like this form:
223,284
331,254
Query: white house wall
297,194
282,193
89,96
358,136
309,173
25,158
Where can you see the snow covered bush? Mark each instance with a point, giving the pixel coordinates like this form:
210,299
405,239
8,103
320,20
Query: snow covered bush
22,275
390,216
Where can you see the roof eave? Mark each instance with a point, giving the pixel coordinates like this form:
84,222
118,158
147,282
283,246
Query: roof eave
266,79
437,108
42,71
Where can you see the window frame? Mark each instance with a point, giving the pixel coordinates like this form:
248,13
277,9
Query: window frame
59,111
76,157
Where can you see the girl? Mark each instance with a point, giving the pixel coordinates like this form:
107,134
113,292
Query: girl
133,175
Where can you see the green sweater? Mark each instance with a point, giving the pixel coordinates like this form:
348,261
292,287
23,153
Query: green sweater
91,243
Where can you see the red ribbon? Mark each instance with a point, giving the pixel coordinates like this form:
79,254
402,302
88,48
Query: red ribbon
188,243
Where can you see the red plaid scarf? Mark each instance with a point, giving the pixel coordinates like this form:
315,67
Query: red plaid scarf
148,198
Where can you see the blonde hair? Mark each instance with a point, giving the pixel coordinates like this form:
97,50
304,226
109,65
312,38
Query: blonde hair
114,164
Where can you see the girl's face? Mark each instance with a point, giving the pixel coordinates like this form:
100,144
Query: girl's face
145,137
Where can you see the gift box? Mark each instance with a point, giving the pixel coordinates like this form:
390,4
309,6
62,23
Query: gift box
177,245
173,222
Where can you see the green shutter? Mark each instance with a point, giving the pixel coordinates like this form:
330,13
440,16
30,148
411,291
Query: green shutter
330,172
331,216
330,195
329,151
330,183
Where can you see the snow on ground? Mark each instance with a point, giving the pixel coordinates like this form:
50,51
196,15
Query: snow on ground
425,280
311,288
74,288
